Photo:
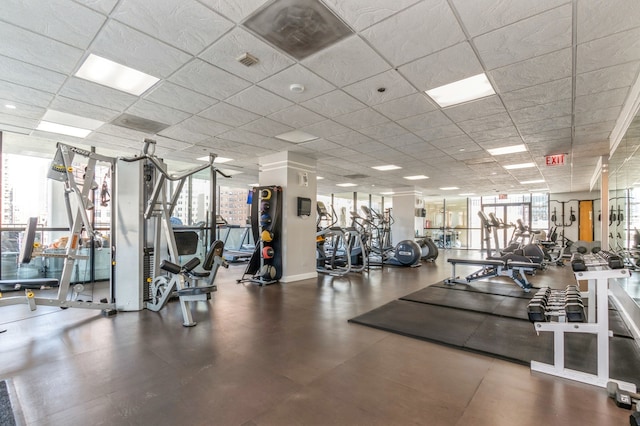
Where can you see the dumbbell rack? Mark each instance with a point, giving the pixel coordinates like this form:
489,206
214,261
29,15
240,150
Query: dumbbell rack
597,323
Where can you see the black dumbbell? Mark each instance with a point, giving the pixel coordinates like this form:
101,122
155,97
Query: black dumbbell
622,398
536,312
574,312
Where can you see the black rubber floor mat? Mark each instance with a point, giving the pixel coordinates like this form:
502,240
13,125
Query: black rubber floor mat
503,337
6,410
490,287
468,300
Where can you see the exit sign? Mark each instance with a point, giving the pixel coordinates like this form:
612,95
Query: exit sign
555,160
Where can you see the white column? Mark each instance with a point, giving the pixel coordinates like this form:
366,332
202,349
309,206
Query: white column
404,208
296,174
604,203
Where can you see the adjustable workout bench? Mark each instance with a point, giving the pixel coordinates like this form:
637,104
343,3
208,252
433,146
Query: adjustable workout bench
495,268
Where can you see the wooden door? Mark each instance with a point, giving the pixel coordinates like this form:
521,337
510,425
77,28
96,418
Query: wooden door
585,221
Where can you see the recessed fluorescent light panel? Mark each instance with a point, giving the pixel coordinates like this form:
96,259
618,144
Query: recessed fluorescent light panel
218,160
449,188
319,178
527,182
387,193
296,136
9,106
114,75
507,150
346,185
519,166
231,172
47,126
466,194
72,120
386,168
461,91
417,177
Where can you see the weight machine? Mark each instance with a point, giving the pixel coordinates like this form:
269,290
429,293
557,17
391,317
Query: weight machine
147,247
77,203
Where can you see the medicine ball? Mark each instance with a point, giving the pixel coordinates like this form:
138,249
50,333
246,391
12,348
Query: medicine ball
265,206
267,252
265,219
266,236
265,194
267,272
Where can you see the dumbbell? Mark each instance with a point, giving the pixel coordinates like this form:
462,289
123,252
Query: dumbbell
634,419
623,399
574,312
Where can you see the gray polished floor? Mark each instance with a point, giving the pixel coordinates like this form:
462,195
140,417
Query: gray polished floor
277,355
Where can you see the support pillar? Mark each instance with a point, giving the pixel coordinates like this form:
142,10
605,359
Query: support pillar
604,203
296,174
404,213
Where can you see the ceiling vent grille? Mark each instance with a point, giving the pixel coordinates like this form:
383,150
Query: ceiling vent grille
247,59
138,123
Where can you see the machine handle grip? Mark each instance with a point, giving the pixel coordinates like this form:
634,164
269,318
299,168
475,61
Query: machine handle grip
191,264
165,265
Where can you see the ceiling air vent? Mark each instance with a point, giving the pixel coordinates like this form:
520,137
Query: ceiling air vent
247,59
140,124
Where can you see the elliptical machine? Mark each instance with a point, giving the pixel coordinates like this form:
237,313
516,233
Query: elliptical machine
405,253
521,253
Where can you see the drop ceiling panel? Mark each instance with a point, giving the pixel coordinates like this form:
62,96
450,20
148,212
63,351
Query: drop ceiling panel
402,139
102,6
538,95
134,49
51,19
182,134
541,112
439,132
598,116
202,125
13,120
156,112
234,9
333,104
231,115
346,62
508,132
202,77
614,77
407,106
313,85
259,101
185,24
85,91
434,28
296,116
393,86
599,19
607,51
384,131
225,52
37,50
544,125
17,93
24,110
481,16
531,37
29,75
179,97
425,121
362,118
325,129
443,67
360,14
490,122
531,72
266,127
351,138
548,135
72,106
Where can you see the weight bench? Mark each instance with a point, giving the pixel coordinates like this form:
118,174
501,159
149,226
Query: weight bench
31,283
515,270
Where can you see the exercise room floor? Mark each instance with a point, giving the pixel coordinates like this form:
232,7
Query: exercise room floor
277,355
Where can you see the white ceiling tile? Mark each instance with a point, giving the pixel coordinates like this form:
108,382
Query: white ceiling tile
362,118
24,110
360,14
481,16
259,101
156,112
16,93
443,67
498,134
86,91
28,75
14,120
346,62
439,132
541,112
185,24
171,143
434,27
234,9
202,77
320,145
479,108
135,136
72,106
126,46
354,138
407,106
102,6
296,116
384,131
490,122
224,54
325,129
267,127
334,103
203,126
51,19
544,125
535,36
396,141
489,143
614,77
601,100
367,91
37,50
599,19
538,95
180,133
228,114
425,121
313,85
178,97
547,135
598,115
538,70
607,51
